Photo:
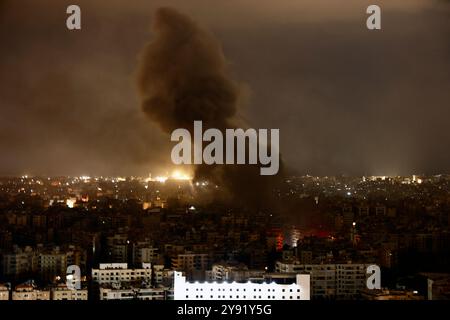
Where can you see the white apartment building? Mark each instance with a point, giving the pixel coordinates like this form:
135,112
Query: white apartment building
30,292
184,290
4,292
113,273
330,280
61,292
121,293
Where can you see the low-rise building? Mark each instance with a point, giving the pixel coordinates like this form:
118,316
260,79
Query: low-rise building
385,294
29,291
108,292
111,273
61,292
4,292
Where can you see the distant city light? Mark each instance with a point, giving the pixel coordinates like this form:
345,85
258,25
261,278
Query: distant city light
160,179
70,203
101,205
176,175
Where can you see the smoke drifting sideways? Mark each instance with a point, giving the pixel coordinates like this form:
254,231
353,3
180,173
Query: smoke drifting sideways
183,76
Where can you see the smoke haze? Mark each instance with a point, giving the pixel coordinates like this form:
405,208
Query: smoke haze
346,100
182,78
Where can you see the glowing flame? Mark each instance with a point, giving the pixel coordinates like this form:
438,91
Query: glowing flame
178,175
160,179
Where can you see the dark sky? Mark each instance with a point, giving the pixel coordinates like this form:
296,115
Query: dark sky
346,100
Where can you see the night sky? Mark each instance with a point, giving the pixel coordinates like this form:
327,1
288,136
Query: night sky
346,100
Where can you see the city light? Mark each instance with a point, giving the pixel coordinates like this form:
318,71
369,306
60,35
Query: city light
160,179
71,203
89,196
178,175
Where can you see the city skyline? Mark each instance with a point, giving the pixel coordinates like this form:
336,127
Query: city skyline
131,239
238,157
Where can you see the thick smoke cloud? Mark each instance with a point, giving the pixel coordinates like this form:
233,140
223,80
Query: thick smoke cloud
346,100
183,77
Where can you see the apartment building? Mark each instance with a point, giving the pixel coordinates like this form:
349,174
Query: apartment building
29,291
330,281
184,290
133,293
191,262
61,292
110,273
4,292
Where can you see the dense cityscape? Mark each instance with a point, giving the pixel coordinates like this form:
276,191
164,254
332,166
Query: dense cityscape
130,235
199,159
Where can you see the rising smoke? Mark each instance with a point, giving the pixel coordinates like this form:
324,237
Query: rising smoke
183,77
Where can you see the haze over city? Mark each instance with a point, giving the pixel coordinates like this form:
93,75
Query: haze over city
346,100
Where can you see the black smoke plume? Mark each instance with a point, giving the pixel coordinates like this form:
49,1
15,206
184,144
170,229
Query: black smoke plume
183,77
